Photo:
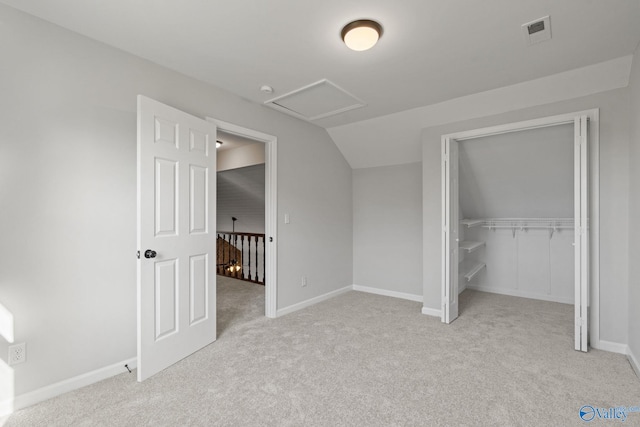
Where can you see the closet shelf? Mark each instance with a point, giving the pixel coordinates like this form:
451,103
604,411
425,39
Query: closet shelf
472,222
475,269
522,224
470,246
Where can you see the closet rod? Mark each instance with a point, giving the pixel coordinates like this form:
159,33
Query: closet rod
521,227
522,224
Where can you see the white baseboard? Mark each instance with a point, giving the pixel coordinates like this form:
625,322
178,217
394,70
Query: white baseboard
431,312
387,293
27,399
634,362
521,294
613,347
312,301
6,409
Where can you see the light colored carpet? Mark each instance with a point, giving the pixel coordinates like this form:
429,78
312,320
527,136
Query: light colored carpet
367,360
238,303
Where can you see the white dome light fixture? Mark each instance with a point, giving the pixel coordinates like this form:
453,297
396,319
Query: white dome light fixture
362,34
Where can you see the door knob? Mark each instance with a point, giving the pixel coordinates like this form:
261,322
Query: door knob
149,253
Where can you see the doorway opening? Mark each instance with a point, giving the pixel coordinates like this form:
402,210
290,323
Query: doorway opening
499,219
251,249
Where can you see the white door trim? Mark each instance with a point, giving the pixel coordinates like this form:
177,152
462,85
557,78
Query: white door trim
271,208
593,116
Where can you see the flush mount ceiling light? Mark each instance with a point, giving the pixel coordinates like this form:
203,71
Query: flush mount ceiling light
362,34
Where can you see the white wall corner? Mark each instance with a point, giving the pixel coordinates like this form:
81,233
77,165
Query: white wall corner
462,286
634,361
40,395
312,301
387,293
431,312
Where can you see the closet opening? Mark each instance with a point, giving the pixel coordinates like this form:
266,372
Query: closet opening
520,215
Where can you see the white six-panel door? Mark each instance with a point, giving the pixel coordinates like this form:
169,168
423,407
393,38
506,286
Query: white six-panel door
581,232
450,224
176,235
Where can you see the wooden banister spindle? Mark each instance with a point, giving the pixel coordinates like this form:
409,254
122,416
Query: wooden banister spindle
227,271
256,279
242,254
248,275
217,248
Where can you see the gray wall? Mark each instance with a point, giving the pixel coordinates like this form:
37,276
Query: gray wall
634,210
526,174
241,195
614,196
387,224
528,264
68,195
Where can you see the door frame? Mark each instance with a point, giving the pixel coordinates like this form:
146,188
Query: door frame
593,116
270,208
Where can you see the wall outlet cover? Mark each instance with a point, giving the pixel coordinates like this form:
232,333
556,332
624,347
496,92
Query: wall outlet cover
17,354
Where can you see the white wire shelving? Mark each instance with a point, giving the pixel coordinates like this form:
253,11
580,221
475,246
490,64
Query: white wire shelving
522,224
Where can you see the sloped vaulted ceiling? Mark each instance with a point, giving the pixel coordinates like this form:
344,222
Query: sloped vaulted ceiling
431,52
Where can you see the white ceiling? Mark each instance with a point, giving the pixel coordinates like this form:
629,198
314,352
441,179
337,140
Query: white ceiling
438,61
431,50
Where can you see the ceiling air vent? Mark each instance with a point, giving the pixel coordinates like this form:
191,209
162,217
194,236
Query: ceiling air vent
316,101
537,31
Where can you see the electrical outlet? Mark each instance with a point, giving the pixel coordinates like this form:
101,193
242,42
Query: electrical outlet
304,281
17,353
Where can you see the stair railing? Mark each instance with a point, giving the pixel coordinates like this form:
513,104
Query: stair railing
241,256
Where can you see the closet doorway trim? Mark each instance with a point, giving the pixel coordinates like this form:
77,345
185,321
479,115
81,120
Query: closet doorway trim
593,201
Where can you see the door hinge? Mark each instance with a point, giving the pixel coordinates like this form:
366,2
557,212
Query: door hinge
138,254
271,239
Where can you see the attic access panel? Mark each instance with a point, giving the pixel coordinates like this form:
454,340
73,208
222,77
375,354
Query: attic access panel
316,101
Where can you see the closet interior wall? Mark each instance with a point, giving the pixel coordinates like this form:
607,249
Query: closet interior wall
516,210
